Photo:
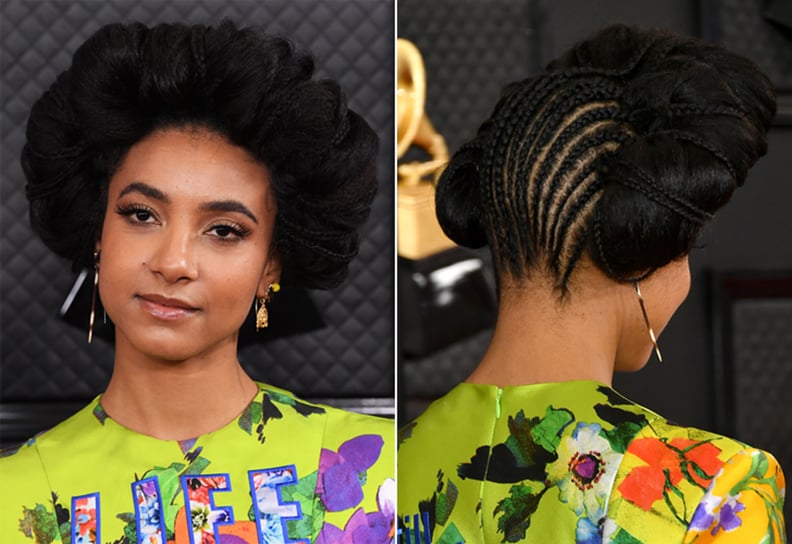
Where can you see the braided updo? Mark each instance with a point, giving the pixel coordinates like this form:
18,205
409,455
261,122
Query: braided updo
127,81
623,148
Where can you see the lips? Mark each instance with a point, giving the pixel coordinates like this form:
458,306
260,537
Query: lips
166,308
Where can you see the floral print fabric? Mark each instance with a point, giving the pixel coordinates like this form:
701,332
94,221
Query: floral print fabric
576,462
284,471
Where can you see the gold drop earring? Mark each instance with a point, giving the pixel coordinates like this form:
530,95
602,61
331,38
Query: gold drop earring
652,336
262,315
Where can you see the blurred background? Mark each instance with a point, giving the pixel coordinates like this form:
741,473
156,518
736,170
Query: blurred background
335,346
727,354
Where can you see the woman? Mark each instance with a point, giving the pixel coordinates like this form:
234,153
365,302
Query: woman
590,183
196,169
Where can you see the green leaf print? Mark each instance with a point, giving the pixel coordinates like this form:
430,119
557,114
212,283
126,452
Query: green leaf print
517,510
302,408
547,433
313,510
522,442
39,524
280,397
621,435
406,431
759,465
445,502
245,421
623,537
255,413
197,466
451,535
130,532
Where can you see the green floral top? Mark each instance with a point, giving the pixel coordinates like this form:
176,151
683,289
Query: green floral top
577,462
284,471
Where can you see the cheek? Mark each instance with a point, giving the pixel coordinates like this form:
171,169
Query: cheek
117,270
232,281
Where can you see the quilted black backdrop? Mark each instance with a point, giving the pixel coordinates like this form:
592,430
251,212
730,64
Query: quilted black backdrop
471,48
45,360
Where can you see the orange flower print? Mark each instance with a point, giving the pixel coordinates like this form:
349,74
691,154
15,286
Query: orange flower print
668,462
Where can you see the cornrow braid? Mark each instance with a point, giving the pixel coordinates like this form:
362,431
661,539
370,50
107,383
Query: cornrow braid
642,182
621,150
700,142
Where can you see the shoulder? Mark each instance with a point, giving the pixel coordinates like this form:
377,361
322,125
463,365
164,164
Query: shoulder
332,413
695,485
19,463
32,452
743,503
30,505
340,427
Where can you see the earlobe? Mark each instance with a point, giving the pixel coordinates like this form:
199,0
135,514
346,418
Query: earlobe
270,277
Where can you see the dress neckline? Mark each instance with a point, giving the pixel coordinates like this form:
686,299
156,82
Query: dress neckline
99,413
533,387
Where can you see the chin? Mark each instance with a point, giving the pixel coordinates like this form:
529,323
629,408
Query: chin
171,346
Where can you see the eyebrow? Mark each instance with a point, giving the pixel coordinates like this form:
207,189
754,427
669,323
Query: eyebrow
213,206
229,206
146,190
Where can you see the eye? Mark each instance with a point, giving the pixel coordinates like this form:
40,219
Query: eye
136,213
228,232
142,215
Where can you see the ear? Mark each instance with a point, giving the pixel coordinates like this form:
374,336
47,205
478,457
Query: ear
272,274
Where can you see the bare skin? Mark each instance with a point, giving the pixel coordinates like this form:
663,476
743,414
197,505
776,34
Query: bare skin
140,395
597,330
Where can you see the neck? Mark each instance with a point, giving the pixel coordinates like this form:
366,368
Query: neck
540,339
176,400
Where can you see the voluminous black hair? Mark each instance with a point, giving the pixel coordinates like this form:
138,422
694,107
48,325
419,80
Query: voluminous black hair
623,148
127,81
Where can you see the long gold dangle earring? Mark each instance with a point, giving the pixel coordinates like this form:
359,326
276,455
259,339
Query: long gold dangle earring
93,297
262,315
646,320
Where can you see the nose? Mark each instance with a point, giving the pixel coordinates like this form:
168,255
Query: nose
174,255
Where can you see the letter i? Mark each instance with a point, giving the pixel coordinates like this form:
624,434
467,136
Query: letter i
425,516
417,529
407,530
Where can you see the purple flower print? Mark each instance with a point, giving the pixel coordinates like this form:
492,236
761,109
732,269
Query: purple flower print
728,520
362,451
708,515
338,483
362,528
704,516
330,534
372,528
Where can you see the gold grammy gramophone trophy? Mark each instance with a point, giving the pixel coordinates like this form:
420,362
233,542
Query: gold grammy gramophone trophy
419,234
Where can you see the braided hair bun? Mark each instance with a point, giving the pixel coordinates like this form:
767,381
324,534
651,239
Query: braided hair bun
623,148
127,81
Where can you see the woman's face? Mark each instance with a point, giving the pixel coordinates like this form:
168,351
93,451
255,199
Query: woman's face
186,244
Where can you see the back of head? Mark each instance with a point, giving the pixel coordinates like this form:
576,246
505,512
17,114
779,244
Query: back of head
623,149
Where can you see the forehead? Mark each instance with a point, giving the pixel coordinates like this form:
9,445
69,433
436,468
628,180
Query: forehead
192,163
